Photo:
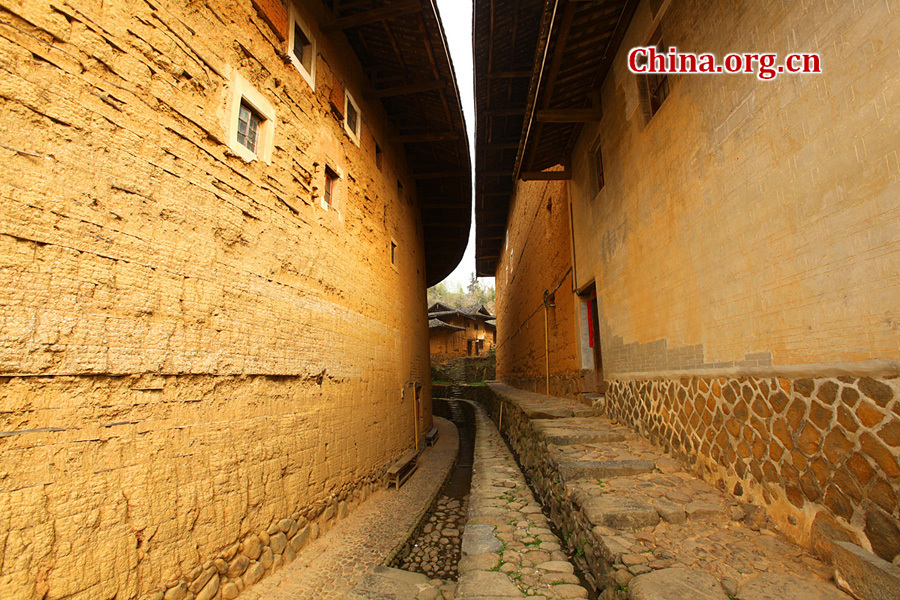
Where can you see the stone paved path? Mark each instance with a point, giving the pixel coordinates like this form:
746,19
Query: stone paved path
508,548
336,562
643,527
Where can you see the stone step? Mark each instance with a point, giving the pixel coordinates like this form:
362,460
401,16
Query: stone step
573,437
604,469
620,512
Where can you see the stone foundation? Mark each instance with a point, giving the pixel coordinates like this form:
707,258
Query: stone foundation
799,447
562,385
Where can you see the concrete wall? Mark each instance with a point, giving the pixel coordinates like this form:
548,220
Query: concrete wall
537,257
194,352
745,253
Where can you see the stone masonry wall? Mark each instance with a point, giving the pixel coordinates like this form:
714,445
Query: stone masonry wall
196,353
794,446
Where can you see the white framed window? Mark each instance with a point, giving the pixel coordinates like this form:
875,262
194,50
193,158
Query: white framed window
352,119
250,121
302,48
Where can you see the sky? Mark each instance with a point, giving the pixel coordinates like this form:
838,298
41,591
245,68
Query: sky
457,18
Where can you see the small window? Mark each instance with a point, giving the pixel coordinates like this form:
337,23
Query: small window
351,117
393,252
249,125
379,156
301,47
331,179
596,165
399,190
655,85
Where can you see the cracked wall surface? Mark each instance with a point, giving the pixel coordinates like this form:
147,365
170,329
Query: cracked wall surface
193,348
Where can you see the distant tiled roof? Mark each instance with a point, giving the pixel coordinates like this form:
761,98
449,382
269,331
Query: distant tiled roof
473,311
491,322
438,324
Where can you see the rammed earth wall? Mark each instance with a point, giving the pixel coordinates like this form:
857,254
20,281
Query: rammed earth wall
195,350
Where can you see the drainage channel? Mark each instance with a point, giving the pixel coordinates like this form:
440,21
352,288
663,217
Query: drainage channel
434,550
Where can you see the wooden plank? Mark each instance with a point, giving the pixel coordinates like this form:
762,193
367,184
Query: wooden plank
407,89
413,138
510,75
545,175
377,14
437,175
569,115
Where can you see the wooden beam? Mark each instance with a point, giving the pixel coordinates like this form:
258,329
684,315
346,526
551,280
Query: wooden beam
505,112
502,145
407,89
437,175
377,14
569,115
545,175
497,174
510,75
413,138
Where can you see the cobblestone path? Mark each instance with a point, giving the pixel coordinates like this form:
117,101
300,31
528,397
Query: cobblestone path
337,561
509,550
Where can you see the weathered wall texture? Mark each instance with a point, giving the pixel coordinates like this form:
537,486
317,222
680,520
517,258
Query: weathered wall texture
745,254
537,257
192,348
750,231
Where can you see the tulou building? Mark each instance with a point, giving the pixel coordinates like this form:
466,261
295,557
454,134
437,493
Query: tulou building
218,221
711,260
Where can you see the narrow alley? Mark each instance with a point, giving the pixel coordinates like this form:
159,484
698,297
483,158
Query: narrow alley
449,300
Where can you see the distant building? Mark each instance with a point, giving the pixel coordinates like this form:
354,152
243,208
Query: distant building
455,332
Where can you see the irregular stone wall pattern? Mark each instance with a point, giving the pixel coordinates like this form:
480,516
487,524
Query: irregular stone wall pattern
795,446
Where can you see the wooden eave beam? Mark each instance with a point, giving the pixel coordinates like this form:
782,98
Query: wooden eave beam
378,14
545,175
569,115
510,75
437,175
407,89
413,138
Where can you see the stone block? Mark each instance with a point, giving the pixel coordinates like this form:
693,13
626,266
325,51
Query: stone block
487,583
863,574
479,539
604,469
778,586
675,584
620,512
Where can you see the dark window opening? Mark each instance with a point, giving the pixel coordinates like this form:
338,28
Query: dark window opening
393,253
597,169
656,84
379,157
249,125
352,118
302,48
331,178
